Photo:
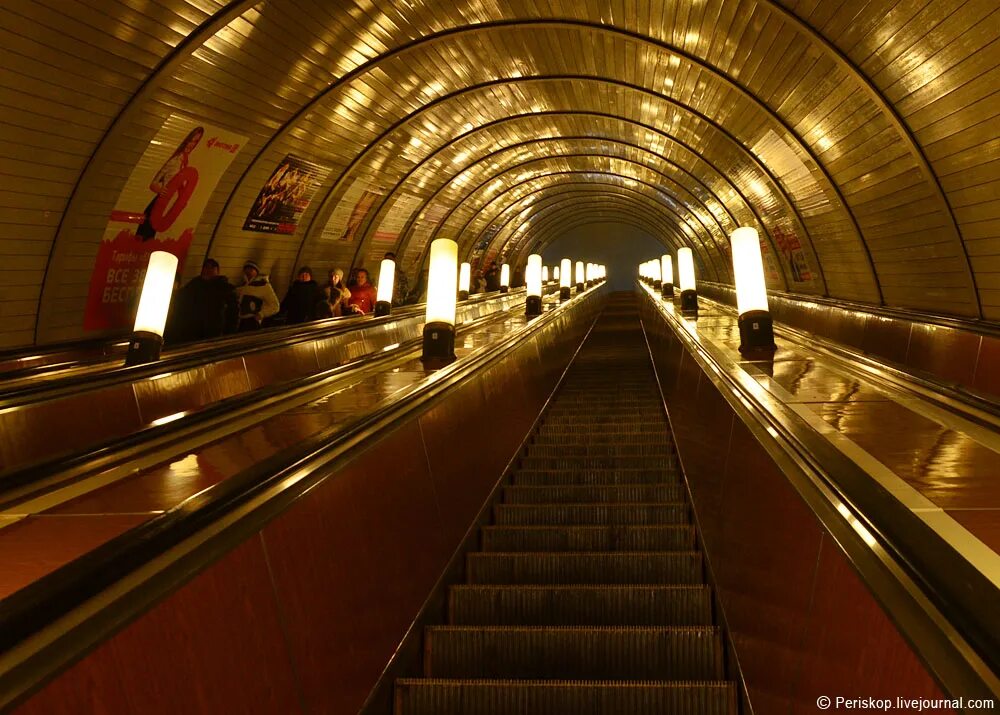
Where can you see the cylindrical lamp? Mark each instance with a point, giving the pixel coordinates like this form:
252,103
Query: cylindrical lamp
565,278
654,273
386,281
439,323
505,278
667,275
580,279
154,303
545,274
555,273
685,276
464,279
756,328
533,279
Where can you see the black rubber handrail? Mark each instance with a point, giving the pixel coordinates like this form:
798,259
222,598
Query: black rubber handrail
952,621
217,349
289,474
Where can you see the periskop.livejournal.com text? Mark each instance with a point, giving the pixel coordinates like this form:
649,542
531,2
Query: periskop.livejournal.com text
912,704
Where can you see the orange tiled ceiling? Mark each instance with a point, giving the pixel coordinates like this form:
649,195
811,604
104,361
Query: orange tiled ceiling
860,137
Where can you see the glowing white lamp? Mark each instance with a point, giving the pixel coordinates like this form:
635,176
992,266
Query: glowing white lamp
545,274
505,278
654,273
386,281
667,275
756,328
439,321
533,279
580,279
565,279
685,275
154,303
464,279
555,273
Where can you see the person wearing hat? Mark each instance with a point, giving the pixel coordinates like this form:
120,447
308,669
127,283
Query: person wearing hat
333,304
257,298
299,305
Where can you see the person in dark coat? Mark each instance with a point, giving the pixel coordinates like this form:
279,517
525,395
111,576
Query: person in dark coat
299,305
492,277
206,307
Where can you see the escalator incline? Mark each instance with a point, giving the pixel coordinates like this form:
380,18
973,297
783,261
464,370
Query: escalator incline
588,592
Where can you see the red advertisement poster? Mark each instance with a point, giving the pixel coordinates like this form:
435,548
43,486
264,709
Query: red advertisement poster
285,197
791,248
157,210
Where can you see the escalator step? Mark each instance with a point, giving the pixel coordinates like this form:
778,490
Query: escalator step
580,605
524,697
628,493
662,567
588,538
589,514
542,477
573,653
584,439
584,462
634,449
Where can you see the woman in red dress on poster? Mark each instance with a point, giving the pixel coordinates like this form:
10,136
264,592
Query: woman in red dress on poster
162,181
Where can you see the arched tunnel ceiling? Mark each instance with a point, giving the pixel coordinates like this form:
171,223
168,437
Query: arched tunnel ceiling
859,136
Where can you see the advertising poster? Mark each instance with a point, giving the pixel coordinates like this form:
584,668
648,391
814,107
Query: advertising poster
791,248
157,210
285,197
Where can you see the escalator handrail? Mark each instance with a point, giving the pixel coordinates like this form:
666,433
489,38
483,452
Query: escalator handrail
42,628
214,350
940,602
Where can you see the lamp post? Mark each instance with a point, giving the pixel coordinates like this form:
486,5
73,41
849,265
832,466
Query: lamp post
545,274
667,276
565,278
505,278
580,279
533,279
464,279
386,281
756,327
685,274
154,303
439,321
654,273
555,273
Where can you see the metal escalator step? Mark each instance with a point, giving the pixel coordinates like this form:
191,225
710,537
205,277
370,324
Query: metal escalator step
574,653
662,567
580,605
588,538
608,462
550,697
585,439
590,514
635,449
628,493
595,476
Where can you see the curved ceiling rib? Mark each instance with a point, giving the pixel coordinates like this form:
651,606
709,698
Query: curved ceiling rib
572,190
516,208
461,231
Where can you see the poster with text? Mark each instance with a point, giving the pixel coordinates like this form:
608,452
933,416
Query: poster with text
157,210
285,197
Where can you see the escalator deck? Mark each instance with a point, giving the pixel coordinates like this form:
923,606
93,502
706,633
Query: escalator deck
588,593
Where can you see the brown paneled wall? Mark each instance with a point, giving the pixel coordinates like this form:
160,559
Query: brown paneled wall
803,624
304,616
966,358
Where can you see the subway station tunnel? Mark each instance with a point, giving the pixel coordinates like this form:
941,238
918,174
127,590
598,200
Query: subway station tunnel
605,508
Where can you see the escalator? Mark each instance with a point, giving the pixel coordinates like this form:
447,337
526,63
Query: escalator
588,593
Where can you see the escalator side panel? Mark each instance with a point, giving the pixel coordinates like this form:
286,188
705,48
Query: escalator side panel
346,568
802,623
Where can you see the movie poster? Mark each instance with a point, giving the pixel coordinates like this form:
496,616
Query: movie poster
285,197
157,210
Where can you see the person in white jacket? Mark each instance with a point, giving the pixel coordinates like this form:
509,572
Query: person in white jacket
256,297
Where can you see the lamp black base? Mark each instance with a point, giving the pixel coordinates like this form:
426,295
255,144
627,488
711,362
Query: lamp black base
143,348
757,334
658,285
689,302
505,289
579,288
382,307
564,293
533,306
439,345
668,290
463,295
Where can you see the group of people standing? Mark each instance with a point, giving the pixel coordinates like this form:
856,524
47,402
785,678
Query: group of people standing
209,305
